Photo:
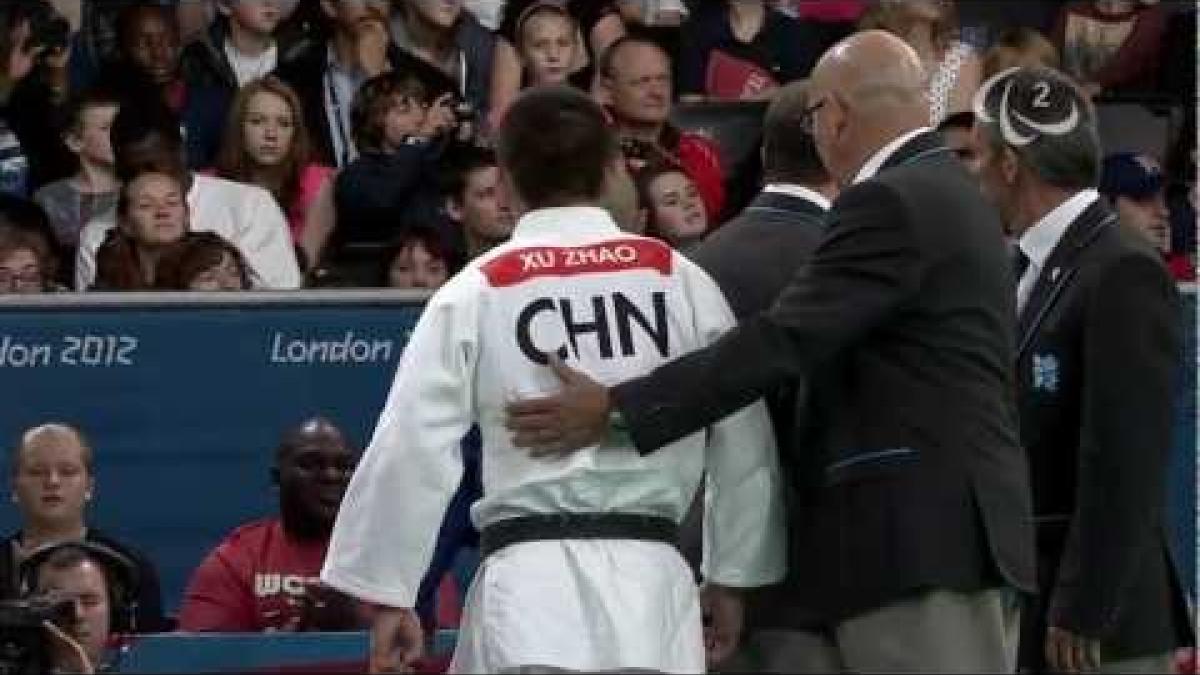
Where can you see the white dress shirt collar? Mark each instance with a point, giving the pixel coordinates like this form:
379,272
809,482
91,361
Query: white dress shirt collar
1038,242
881,156
799,192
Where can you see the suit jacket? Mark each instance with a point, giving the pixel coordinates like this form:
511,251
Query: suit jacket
919,480
752,258
1099,346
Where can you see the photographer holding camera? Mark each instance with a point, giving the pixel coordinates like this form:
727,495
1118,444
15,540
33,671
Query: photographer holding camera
403,121
33,91
91,581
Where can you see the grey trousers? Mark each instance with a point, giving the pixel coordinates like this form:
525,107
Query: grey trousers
938,632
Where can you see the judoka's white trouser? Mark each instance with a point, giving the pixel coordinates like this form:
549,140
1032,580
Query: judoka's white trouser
586,605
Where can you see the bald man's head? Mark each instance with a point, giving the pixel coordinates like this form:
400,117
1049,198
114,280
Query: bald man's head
868,90
51,435
876,69
312,469
314,430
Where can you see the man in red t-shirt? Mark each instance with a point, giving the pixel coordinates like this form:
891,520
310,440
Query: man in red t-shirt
635,85
264,575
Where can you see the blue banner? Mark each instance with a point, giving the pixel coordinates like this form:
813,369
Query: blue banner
184,401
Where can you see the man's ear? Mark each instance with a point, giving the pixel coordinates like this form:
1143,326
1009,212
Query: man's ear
1010,165
603,90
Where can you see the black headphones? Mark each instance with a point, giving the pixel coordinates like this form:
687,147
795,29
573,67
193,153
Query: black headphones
121,576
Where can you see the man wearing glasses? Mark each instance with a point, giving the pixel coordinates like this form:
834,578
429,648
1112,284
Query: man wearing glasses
917,526
635,87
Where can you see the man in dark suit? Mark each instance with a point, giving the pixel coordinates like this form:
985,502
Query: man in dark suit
1098,342
752,258
920,525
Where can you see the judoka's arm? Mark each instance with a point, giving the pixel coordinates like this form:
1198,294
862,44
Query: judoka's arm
744,531
388,522
744,520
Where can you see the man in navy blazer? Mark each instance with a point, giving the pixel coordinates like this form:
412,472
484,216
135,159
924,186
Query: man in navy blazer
1098,345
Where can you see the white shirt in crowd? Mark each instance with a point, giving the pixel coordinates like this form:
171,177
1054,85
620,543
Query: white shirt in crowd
249,68
616,306
245,215
1038,242
487,12
650,9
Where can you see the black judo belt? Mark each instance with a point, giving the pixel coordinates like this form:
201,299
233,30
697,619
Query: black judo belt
577,526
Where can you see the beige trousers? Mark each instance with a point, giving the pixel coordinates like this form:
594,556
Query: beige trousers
935,632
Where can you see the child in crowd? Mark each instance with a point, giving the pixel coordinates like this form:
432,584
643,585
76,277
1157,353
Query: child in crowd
266,144
152,215
548,47
203,261
419,258
400,122
71,202
675,211
241,46
547,39
599,25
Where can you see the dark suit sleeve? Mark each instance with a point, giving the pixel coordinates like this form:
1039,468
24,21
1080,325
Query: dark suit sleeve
1130,353
868,265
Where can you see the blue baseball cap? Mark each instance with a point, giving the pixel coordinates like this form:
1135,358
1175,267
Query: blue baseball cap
1133,175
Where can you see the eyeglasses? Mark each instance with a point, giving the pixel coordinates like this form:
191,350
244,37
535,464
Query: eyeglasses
808,116
24,281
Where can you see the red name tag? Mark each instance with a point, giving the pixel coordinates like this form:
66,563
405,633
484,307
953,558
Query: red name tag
555,261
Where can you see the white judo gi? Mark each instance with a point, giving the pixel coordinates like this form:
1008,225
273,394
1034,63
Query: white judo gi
614,305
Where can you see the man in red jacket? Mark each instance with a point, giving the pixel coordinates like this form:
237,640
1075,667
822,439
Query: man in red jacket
635,87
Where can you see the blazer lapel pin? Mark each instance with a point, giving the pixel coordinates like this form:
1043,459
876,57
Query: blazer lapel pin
1045,373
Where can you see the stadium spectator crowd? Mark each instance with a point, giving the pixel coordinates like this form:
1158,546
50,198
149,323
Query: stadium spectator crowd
224,145
351,126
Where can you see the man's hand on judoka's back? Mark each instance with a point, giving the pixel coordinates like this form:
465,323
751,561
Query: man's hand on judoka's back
574,418
397,640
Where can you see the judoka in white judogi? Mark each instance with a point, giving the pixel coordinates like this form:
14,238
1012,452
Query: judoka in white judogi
614,305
